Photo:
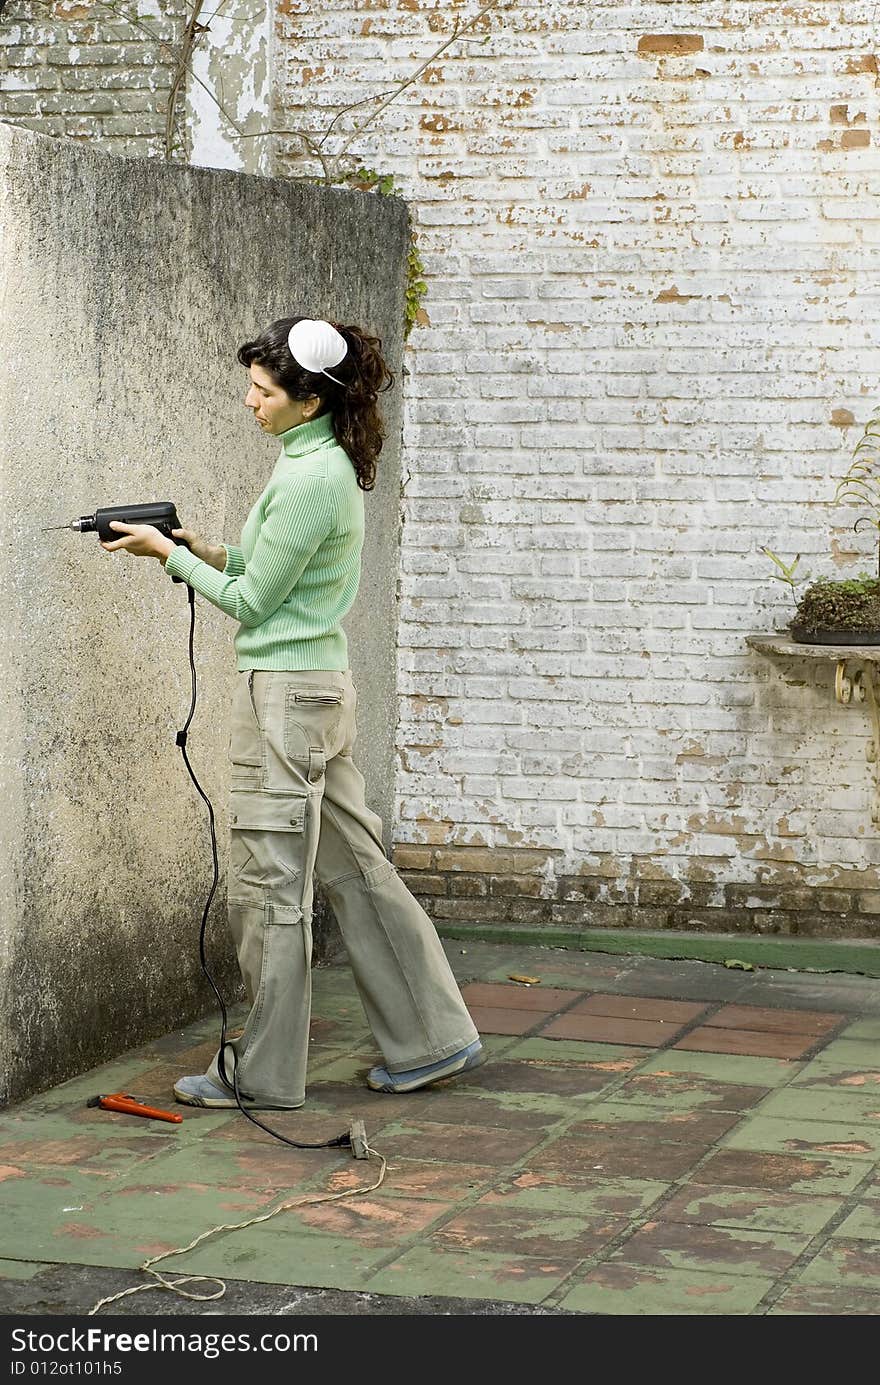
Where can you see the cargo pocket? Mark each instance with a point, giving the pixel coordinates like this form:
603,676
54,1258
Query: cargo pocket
266,843
246,746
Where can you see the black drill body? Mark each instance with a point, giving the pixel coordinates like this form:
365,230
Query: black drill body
162,514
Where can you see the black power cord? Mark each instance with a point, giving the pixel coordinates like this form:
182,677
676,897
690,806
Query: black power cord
344,1141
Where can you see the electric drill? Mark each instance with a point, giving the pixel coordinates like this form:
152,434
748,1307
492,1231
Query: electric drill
160,513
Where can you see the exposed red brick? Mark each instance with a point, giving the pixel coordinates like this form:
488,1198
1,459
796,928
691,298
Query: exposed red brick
412,857
672,295
842,418
672,45
864,62
855,139
438,124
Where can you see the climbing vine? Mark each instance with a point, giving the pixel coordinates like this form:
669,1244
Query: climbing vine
368,180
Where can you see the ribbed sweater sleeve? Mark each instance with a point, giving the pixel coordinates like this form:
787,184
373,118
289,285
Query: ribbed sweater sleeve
234,560
298,514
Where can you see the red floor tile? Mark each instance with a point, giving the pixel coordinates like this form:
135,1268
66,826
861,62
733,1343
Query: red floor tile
462,1144
605,1029
491,1021
607,1156
747,1168
639,1008
773,1021
548,999
679,1245
750,1042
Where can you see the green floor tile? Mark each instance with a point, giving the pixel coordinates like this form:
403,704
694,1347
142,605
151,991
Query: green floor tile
612,1056
849,1140
97,1145
818,1300
430,1269
622,1197
823,1104
134,1223
866,1030
844,1078
723,1067
351,1068
274,1253
754,1209
863,1223
119,1076
842,1263
633,1291
224,1167
849,1053
49,1215
496,1044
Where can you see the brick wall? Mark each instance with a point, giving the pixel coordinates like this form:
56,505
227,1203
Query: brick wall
648,348
75,68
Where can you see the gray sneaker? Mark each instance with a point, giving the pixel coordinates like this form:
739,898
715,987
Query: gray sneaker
201,1091
381,1080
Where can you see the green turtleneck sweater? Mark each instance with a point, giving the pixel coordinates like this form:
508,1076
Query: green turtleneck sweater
296,574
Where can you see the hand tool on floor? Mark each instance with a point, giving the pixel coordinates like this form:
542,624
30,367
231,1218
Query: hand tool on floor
130,1106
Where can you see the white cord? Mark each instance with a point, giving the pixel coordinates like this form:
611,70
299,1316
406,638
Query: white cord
175,1284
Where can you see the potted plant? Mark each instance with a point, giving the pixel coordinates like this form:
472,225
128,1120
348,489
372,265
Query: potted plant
843,610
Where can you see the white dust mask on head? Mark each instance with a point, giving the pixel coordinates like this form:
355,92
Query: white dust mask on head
315,344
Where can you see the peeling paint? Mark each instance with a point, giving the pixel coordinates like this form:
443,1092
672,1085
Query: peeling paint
232,62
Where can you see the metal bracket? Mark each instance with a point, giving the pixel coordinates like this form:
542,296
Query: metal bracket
856,684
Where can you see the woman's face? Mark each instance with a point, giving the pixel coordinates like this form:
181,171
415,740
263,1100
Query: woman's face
273,407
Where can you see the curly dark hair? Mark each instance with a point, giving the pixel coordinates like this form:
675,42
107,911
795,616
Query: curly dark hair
357,422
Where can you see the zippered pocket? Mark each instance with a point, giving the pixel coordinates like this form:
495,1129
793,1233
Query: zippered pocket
320,698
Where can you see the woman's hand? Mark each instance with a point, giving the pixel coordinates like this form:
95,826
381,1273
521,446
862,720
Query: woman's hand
214,554
140,540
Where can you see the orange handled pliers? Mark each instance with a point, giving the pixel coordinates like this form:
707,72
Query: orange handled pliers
130,1106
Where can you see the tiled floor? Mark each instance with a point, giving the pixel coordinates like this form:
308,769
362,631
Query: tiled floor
648,1021
648,1137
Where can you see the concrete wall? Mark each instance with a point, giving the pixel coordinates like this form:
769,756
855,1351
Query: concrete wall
125,288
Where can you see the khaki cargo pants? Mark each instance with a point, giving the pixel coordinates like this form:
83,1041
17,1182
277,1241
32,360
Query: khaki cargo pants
297,813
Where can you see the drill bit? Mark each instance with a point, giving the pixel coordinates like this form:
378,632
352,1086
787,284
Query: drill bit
52,527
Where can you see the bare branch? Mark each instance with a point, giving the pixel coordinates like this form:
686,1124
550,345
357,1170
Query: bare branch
456,34
191,35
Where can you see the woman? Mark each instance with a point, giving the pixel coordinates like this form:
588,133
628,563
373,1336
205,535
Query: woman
297,806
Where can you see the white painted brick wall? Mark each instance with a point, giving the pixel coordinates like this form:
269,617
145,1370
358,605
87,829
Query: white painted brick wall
653,279
75,69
